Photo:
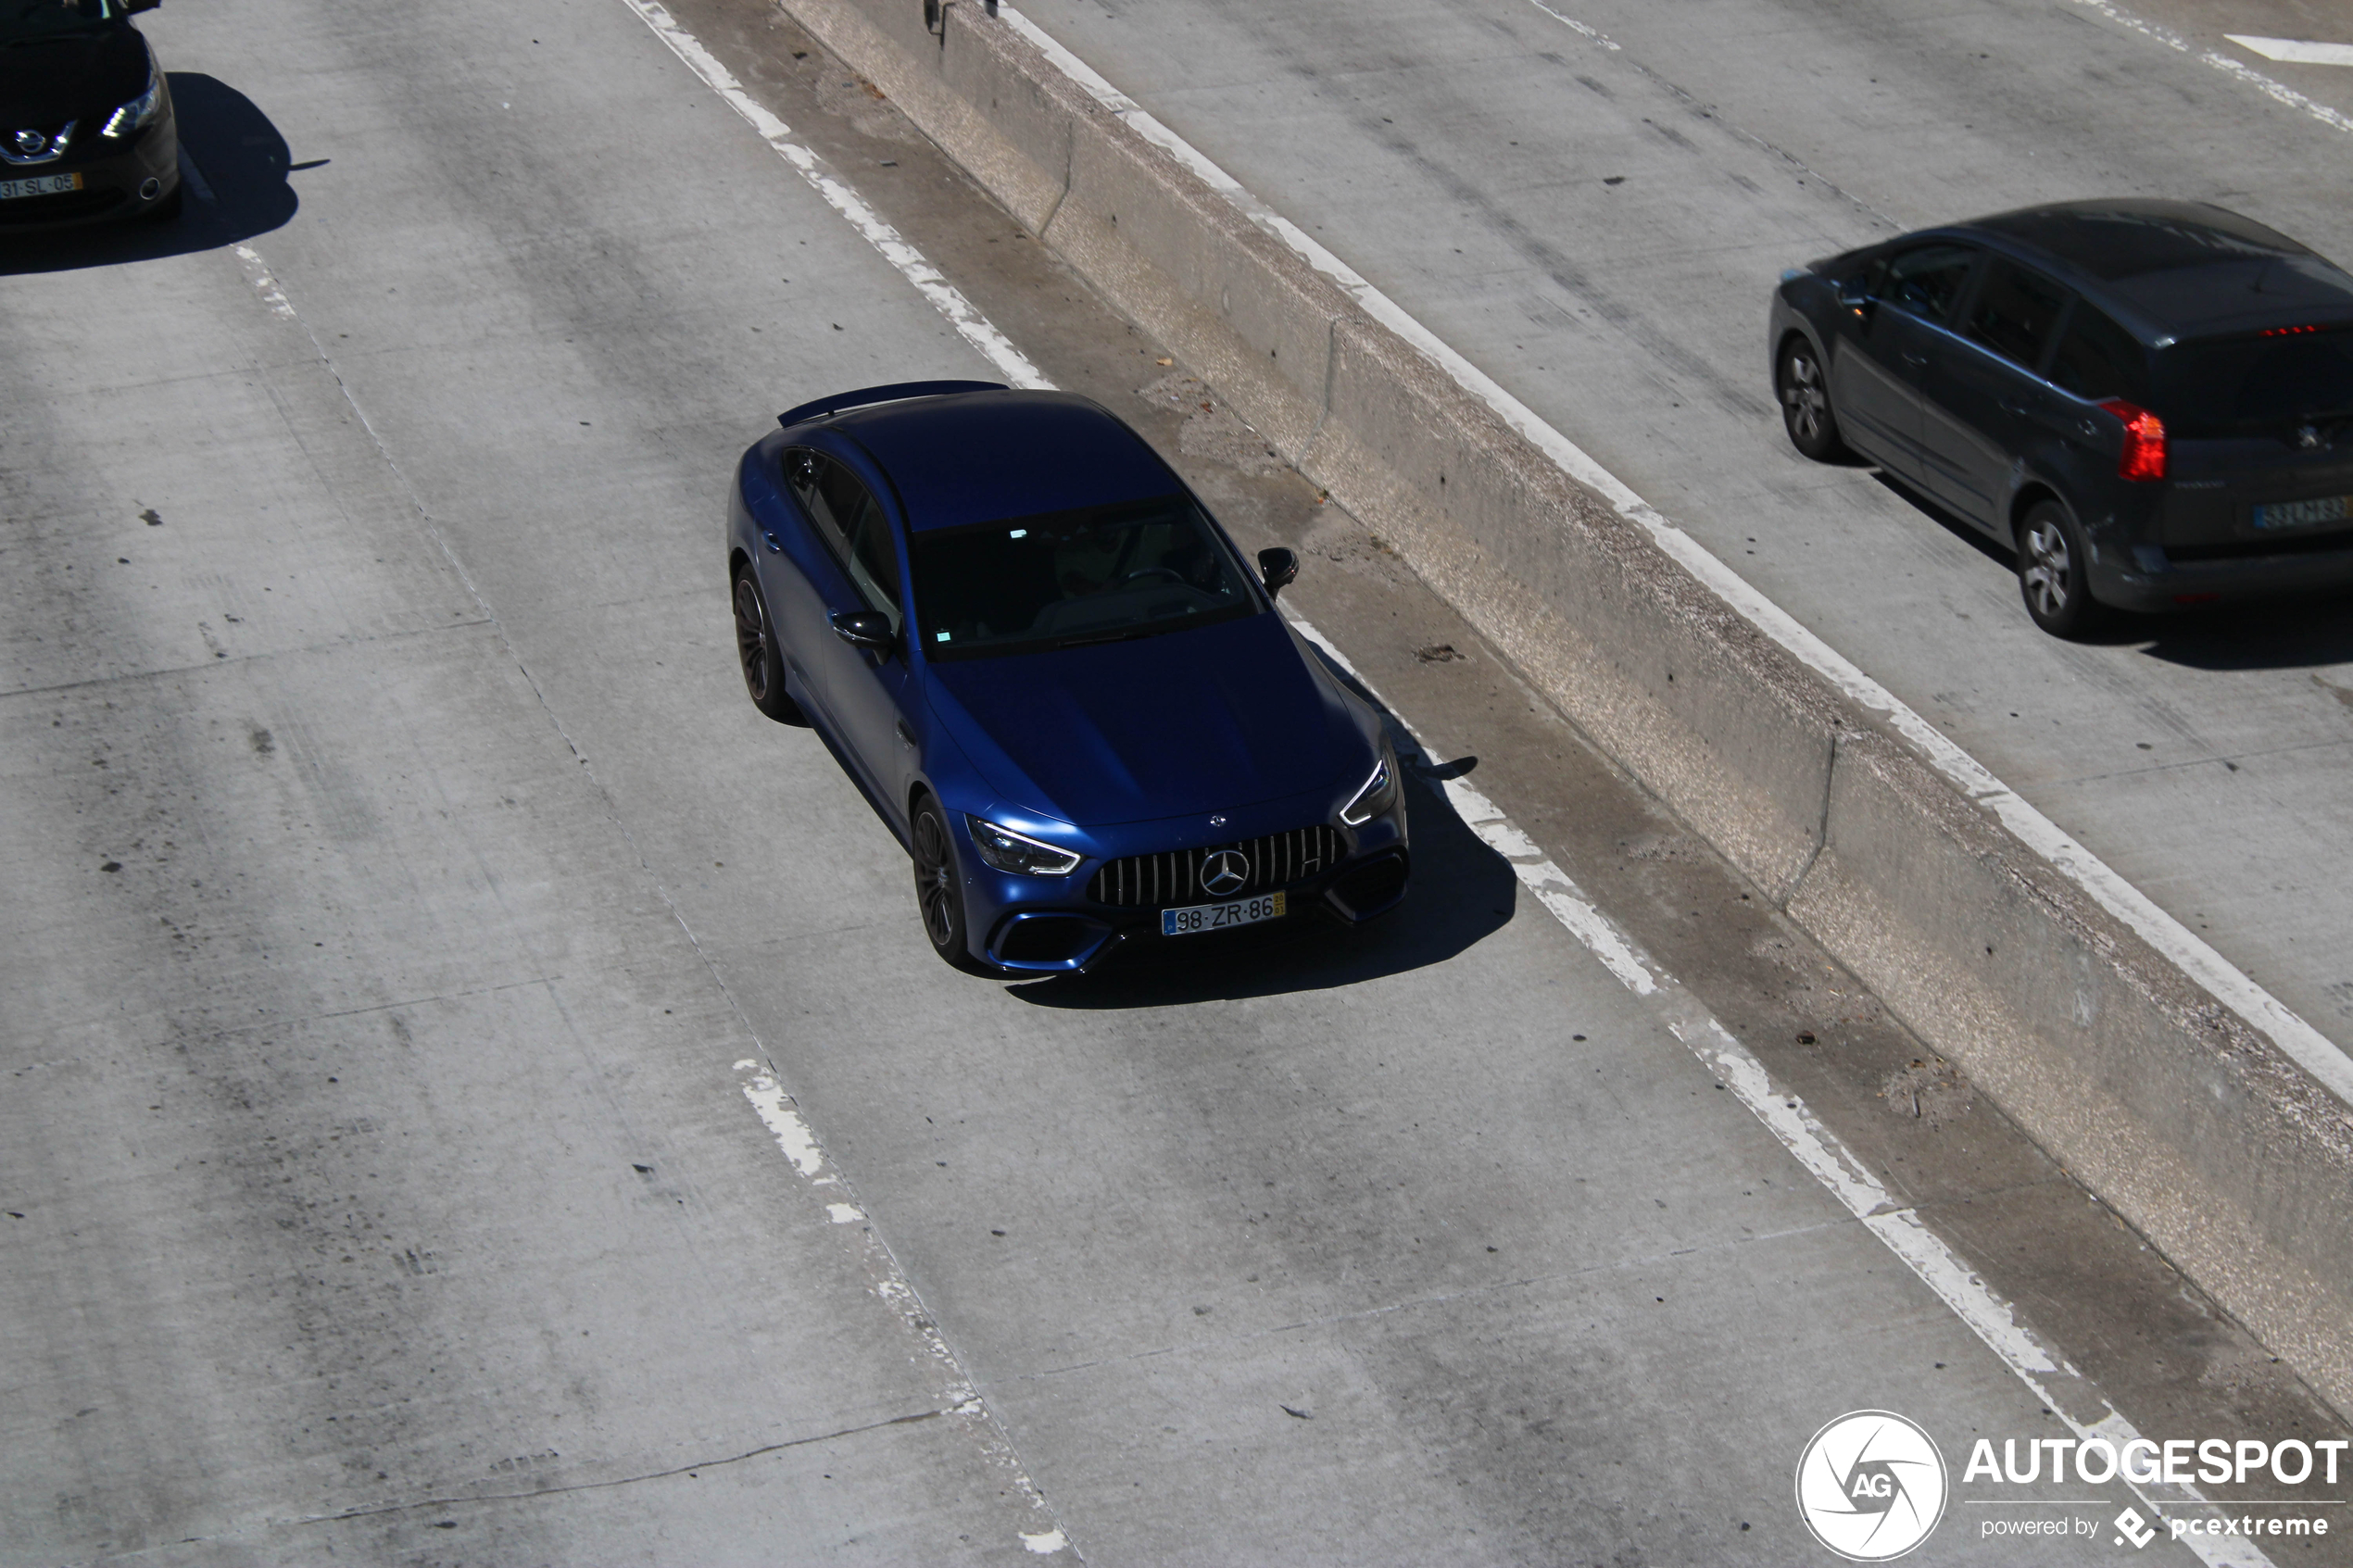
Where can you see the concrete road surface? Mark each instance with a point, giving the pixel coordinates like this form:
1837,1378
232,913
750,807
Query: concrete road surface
1591,200
478,1093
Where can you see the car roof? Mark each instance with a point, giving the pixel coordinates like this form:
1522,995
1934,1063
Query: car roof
979,457
2186,268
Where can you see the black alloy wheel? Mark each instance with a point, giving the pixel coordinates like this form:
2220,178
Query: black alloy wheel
763,664
940,895
2051,560
1804,393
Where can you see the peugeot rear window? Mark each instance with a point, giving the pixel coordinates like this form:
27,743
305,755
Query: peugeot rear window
2257,384
1093,575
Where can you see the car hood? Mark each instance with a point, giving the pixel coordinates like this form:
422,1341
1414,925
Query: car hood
82,76
1178,724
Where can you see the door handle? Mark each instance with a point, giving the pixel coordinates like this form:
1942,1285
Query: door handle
776,545
2012,405
906,735
1912,358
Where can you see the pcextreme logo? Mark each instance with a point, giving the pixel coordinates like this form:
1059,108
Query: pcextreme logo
1872,1485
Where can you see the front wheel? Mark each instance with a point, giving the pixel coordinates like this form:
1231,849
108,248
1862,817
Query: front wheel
1804,393
940,893
2051,564
756,650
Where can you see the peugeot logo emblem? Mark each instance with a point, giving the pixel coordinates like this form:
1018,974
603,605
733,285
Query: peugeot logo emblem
31,142
1224,871
2308,437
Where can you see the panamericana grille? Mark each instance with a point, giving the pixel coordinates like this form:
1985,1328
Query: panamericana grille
1173,876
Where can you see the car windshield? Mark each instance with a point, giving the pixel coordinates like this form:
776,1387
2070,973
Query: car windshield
1060,579
2256,385
25,21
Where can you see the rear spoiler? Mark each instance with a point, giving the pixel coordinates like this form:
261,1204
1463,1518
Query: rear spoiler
891,394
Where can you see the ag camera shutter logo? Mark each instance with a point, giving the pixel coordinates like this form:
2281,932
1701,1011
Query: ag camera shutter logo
1872,1485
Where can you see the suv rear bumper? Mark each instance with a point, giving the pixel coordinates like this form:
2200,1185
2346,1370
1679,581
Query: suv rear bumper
2154,582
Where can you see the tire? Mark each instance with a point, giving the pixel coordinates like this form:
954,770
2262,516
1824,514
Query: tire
2051,562
940,891
1804,394
761,662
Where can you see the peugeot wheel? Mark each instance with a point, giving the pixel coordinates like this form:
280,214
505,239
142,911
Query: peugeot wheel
763,664
1804,393
2051,562
940,893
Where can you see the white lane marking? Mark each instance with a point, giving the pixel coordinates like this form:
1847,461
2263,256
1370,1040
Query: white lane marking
2279,91
2294,51
975,329
2074,1398
2312,1050
777,1110
193,177
267,285
1575,26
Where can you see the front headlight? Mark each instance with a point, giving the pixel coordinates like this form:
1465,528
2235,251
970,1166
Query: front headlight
137,112
1378,794
1008,851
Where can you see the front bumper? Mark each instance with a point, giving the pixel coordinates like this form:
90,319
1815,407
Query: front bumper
116,183
1052,926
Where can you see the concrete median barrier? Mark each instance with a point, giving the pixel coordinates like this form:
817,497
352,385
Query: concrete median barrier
2217,1125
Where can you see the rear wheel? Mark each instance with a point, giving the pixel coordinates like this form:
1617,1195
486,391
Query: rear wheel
1804,393
940,893
756,650
2051,562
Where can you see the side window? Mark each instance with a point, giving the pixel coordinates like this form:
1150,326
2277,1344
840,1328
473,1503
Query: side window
1926,282
2098,358
2014,313
851,523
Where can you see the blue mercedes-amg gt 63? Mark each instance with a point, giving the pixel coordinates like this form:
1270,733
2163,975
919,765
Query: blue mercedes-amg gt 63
1046,666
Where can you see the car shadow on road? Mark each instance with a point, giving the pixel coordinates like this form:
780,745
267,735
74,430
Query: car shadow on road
1461,893
2281,634
234,167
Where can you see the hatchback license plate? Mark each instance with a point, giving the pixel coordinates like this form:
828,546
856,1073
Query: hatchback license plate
1219,917
40,185
2297,514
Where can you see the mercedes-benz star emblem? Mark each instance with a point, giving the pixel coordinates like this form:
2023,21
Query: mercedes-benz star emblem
1222,870
31,142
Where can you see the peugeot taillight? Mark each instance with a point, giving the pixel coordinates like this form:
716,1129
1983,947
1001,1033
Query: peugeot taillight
2144,454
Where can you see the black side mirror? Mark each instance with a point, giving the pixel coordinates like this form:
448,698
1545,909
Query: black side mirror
1277,567
868,629
1852,294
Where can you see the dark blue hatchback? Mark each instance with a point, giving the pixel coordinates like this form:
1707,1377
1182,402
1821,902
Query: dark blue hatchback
1054,676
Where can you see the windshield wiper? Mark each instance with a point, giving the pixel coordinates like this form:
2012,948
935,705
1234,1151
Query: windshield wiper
1125,634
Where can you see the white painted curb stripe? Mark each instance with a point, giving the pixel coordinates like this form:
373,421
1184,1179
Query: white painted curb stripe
2308,1046
2070,1394
2294,51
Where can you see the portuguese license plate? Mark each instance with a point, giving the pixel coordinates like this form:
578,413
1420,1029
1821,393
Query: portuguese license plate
1220,917
2299,514
38,185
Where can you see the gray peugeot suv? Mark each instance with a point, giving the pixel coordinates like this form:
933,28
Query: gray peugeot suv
2151,402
